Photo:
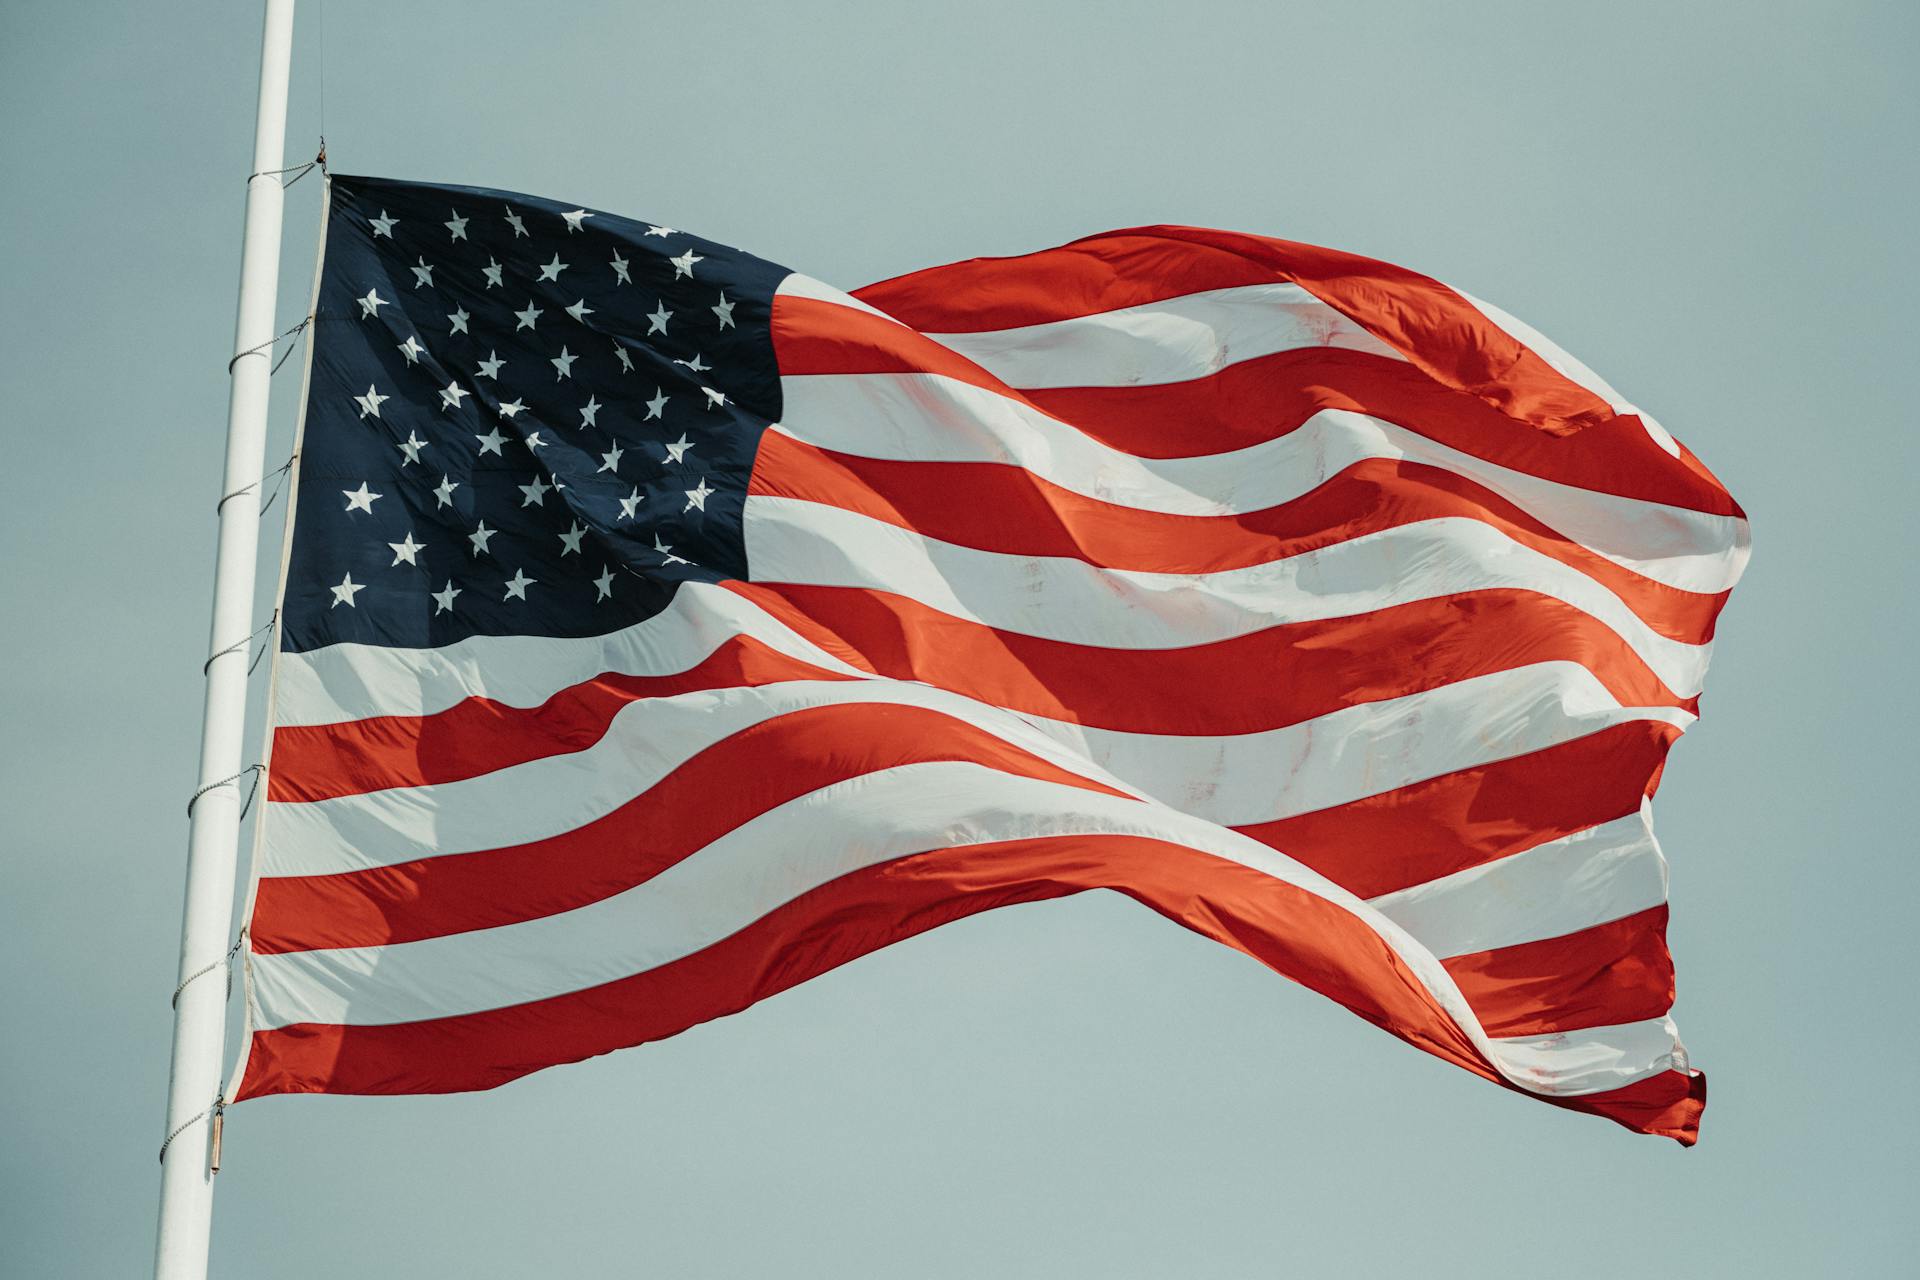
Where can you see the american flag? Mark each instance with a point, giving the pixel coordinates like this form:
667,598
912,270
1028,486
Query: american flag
661,628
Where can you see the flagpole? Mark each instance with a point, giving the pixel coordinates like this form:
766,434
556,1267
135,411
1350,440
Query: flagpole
200,1004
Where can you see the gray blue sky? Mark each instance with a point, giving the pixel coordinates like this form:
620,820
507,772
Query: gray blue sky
1711,204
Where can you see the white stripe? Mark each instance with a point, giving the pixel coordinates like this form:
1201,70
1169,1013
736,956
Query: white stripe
913,417
766,861
1173,340
353,681
644,742
1235,781
1553,889
1362,750
1053,598
799,286
738,879
1592,1060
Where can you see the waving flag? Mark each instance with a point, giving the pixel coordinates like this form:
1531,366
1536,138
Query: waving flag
662,628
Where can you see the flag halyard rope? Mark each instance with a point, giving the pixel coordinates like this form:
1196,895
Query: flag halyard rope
242,643
277,338
213,1112
255,769
278,475
298,171
225,961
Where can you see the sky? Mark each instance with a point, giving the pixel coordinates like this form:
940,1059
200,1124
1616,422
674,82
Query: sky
1710,204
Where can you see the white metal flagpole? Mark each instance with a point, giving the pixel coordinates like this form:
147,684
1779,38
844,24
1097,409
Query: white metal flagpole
200,1003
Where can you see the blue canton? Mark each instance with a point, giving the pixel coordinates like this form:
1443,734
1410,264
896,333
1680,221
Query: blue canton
522,418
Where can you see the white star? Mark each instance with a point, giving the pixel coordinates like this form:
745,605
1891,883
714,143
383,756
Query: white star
552,270
683,265
580,311
517,585
344,593
657,322
589,412
620,270
479,538
564,363
491,442
412,349
411,447
535,494
659,231
361,499
570,540
490,367
383,225
422,274
406,549
456,226
508,408
677,449
513,220
492,271
371,304
666,551
459,320
714,397
528,317
626,361
655,405
610,460
630,503
605,583
695,365
370,403
443,493
533,441
724,309
443,599
450,397
576,220
698,495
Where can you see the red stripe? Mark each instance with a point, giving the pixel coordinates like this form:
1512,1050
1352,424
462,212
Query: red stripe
1370,846
480,735
1430,829
1011,511
1667,1105
811,336
1259,399
1280,676
1613,973
713,792
1100,273
1435,328
1440,332
1212,690
1296,933
1265,397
